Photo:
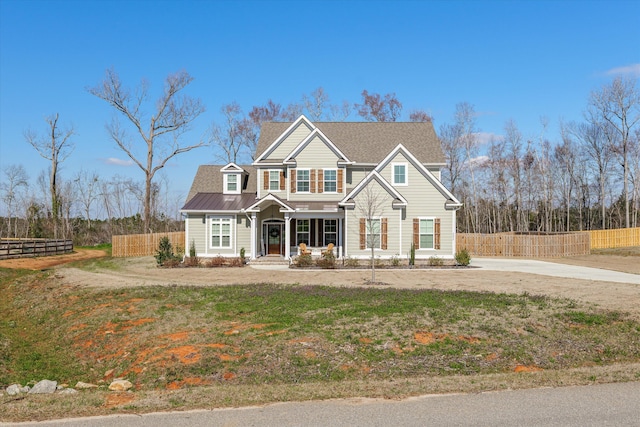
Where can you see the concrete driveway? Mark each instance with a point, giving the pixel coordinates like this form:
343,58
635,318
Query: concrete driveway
553,269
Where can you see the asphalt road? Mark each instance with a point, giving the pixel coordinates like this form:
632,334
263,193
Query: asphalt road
584,406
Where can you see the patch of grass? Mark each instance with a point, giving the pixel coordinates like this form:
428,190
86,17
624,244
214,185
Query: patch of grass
625,251
251,335
96,264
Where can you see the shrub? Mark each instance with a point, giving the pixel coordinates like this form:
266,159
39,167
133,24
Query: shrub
412,255
436,261
395,260
328,260
192,249
217,261
352,262
463,257
377,261
242,253
236,262
192,261
171,262
164,254
304,261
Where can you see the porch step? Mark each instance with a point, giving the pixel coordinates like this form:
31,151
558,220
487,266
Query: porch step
269,260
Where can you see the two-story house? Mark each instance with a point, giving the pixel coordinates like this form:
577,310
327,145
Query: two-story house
355,185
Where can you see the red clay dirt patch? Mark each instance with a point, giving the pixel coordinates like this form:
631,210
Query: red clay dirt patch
41,263
118,399
525,368
190,381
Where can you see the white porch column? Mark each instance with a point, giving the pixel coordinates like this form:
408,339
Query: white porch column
287,236
254,237
342,241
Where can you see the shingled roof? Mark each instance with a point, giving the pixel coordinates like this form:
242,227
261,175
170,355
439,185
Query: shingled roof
369,142
209,179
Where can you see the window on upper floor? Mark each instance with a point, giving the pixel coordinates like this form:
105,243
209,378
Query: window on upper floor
231,183
330,180
303,180
274,180
399,171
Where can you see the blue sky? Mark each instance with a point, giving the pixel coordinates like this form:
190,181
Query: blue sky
515,60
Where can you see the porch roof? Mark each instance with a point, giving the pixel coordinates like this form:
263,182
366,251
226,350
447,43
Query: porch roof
218,202
314,206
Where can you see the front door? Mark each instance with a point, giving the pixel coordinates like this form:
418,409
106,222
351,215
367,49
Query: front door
274,237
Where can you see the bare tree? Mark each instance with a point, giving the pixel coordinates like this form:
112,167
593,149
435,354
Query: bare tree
513,145
595,141
420,116
87,186
12,186
229,137
618,104
56,146
339,113
376,108
161,135
370,207
316,104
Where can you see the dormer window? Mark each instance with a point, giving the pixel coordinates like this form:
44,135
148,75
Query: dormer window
231,183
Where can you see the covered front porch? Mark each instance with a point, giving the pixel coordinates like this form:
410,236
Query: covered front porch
278,228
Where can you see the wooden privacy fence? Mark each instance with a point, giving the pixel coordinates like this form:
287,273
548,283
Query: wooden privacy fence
618,238
22,248
530,245
131,245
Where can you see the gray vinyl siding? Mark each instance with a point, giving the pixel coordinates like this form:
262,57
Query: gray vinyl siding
355,174
394,224
261,191
316,155
199,233
423,200
291,142
196,233
243,235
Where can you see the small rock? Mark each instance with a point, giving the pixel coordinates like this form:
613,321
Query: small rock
109,374
44,387
14,389
25,389
82,385
68,391
120,385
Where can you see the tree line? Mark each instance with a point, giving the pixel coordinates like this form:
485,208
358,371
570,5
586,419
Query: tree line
589,177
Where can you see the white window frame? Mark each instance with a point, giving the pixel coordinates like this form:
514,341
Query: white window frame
325,232
324,180
277,172
298,180
226,183
432,234
308,232
367,233
406,174
220,219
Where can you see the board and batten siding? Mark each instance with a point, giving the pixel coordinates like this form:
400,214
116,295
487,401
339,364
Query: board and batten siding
423,201
290,142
